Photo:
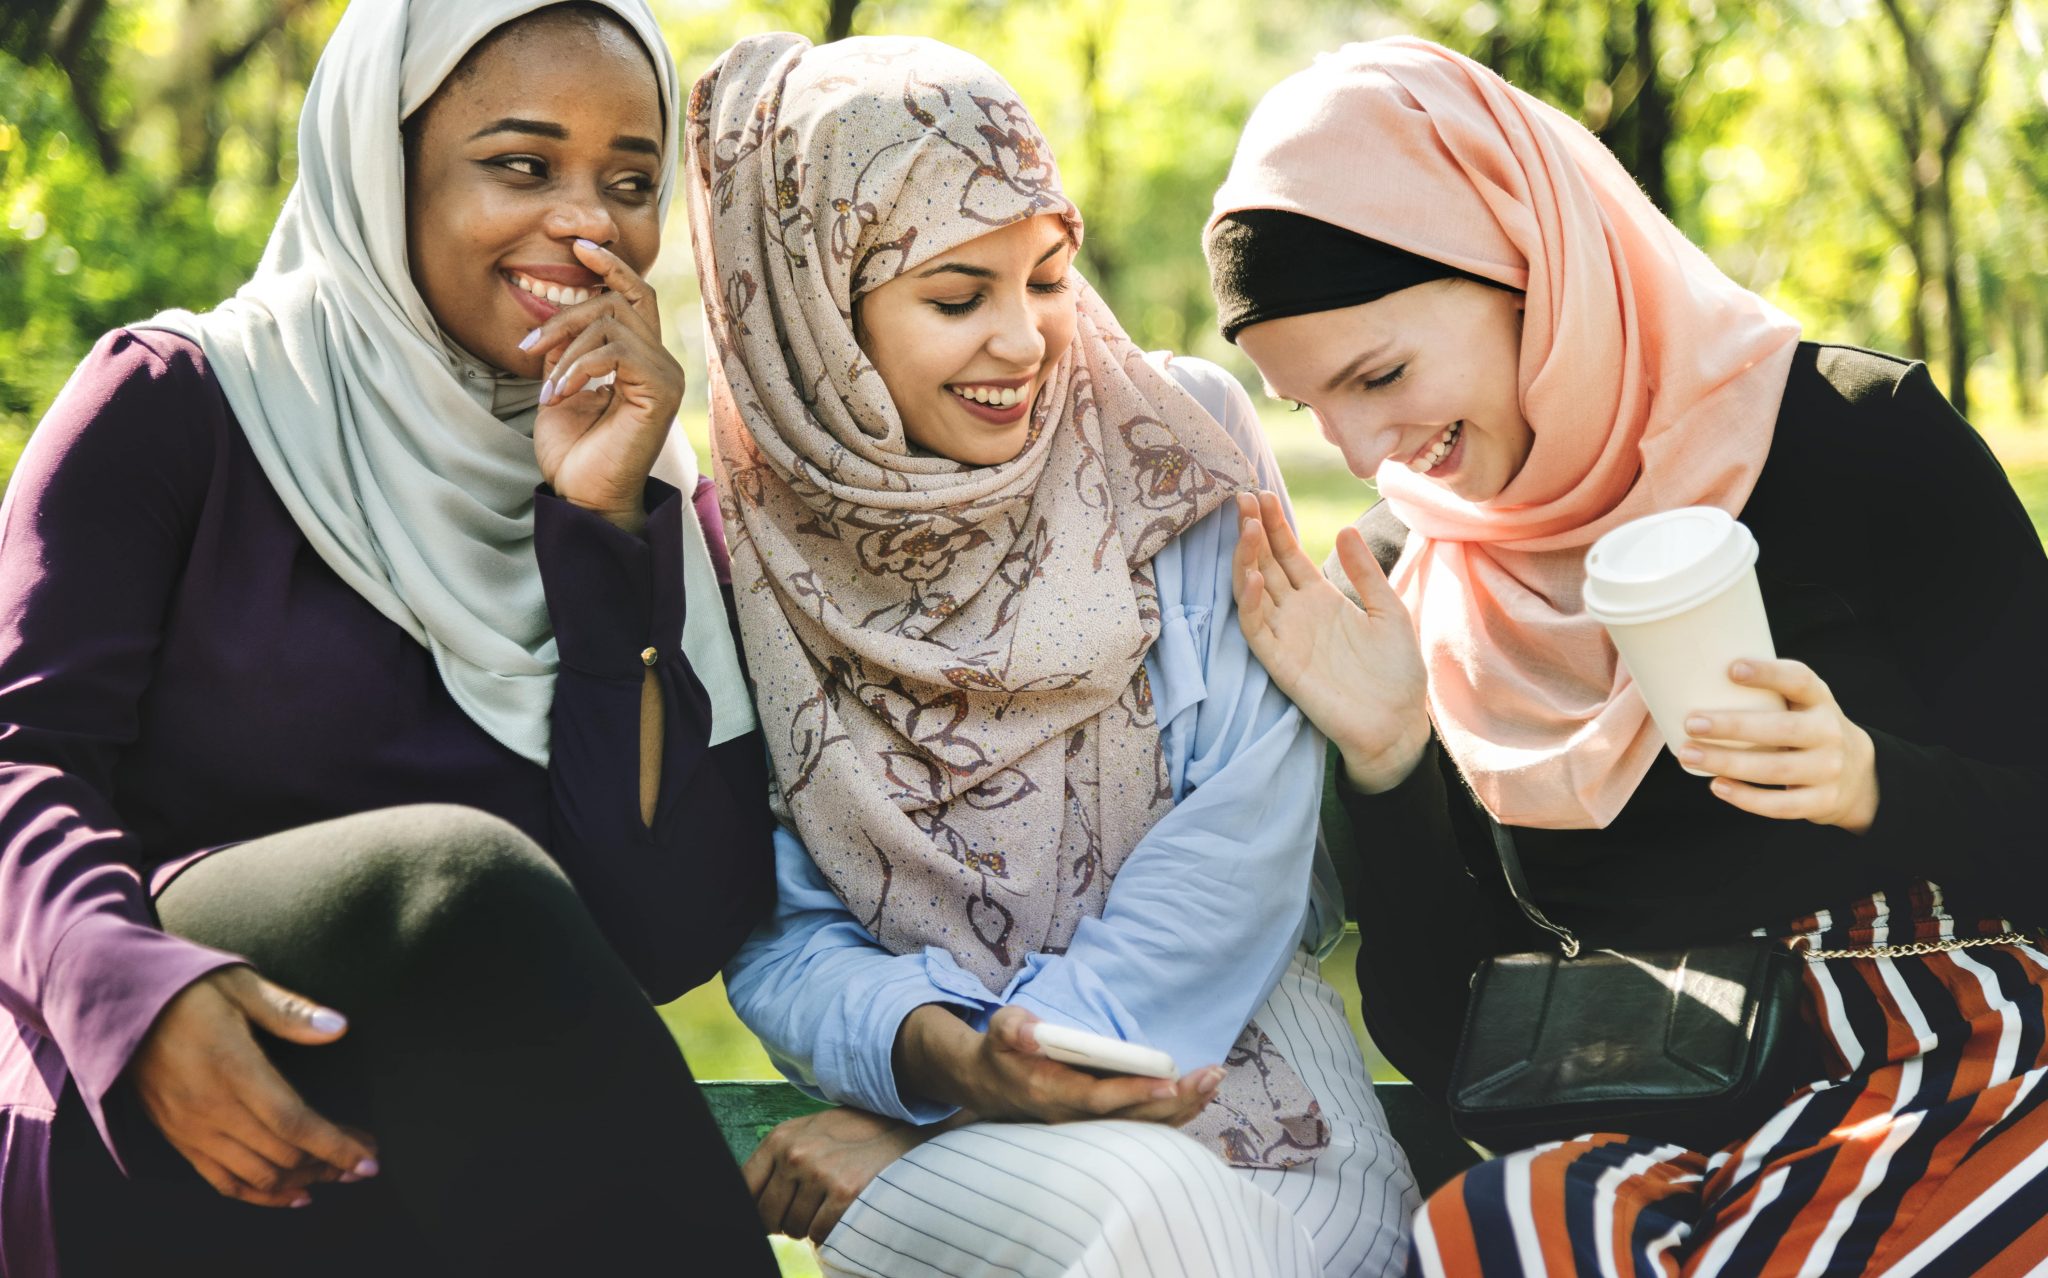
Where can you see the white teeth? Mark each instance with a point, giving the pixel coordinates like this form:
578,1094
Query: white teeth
556,293
993,396
1444,444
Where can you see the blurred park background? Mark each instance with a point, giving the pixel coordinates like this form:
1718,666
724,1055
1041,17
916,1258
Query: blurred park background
1877,167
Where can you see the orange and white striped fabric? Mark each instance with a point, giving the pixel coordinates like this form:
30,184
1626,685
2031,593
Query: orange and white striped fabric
1923,1151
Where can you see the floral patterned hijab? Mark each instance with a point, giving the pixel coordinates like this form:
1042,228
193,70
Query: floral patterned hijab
948,659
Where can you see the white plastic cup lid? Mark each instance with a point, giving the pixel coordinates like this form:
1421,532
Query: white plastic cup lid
1662,564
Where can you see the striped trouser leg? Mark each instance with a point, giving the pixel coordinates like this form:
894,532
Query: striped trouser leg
1357,1198
1924,1153
1930,1156
1601,1205
1105,1199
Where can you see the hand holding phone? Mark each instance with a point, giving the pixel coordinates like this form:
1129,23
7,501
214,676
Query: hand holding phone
1100,1053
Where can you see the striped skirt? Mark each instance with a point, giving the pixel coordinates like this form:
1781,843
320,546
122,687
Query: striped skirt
1923,1151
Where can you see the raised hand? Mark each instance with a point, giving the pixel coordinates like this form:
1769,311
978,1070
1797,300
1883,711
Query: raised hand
1356,672
611,393
205,1082
1000,1075
1826,764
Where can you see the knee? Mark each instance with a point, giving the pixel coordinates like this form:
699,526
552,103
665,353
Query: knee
443,872
1139,1167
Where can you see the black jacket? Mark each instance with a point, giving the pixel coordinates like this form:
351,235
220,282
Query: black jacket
1897,562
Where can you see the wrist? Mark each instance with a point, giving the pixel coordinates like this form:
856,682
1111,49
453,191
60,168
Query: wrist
1374,771
626,519
929,1046
1861,812
626,511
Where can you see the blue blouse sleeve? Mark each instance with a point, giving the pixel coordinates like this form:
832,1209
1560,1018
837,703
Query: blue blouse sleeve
1203,917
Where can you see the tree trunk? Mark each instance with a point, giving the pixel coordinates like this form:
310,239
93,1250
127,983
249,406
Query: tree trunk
1955,321
1916,305
839,19
2019,338
1102,262
1652,112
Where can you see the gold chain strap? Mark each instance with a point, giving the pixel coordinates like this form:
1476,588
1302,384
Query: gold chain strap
1916,948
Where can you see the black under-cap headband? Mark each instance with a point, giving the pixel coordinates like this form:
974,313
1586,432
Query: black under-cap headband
1269,263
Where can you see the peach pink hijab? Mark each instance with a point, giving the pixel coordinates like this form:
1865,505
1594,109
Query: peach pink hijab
1651,381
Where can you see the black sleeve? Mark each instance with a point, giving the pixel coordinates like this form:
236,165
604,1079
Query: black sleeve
675,898
1966,615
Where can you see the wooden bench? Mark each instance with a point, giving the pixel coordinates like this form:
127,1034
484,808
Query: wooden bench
748,1109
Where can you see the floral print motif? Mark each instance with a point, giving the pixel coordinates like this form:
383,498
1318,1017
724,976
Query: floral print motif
948,659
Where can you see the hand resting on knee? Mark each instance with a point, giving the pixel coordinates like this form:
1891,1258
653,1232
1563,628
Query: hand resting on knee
206,1083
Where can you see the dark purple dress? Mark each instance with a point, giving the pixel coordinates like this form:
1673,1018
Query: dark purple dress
180,671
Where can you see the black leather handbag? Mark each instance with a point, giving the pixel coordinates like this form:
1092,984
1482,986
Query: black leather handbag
1695,1047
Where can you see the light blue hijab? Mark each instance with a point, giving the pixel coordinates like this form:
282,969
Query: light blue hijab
407,463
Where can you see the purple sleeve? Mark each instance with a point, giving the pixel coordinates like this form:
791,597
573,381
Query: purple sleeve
96,527
677,898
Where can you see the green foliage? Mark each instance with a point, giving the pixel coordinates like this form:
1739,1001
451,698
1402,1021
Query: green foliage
182,217
142,160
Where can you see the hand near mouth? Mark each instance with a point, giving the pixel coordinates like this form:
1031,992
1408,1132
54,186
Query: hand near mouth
611,393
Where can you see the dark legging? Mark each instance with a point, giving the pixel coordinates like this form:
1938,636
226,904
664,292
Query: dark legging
531,1112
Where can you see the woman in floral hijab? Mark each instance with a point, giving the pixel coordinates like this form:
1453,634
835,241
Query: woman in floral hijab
1026,769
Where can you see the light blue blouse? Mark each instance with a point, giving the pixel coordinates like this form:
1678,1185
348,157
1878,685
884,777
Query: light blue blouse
1203,917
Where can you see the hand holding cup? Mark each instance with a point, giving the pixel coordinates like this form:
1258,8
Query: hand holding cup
1678,594
1823,765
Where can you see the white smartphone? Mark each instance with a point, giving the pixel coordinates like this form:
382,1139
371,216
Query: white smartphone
1101,1054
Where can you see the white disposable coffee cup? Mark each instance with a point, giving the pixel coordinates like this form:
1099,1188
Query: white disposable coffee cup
1677,592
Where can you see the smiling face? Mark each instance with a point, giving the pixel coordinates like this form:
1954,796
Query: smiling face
1425,377
966,341
549,131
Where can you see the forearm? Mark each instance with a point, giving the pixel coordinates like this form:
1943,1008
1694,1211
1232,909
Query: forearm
663,834
829,1002
81,958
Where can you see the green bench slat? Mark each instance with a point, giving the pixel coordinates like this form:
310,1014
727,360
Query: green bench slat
747,1110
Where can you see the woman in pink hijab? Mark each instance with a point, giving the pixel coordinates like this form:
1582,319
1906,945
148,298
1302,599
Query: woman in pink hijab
1490,320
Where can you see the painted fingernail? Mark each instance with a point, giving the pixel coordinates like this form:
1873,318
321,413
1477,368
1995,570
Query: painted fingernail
526,343
328,1021
547,390
365,1169
347,1178
1698,723
590,244
303,1200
